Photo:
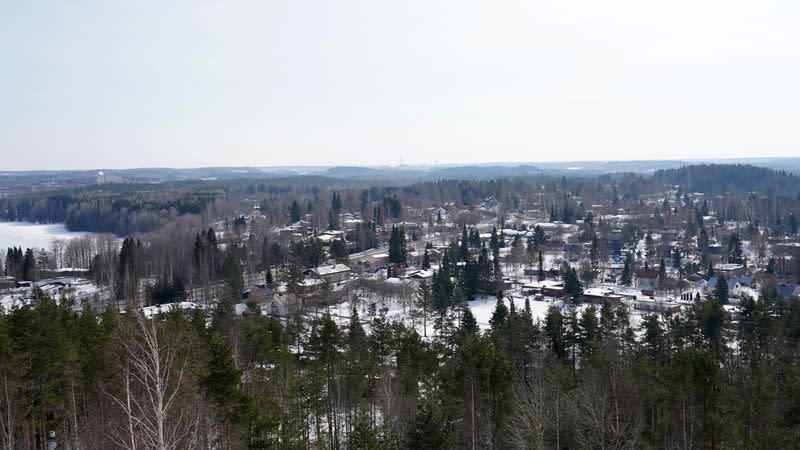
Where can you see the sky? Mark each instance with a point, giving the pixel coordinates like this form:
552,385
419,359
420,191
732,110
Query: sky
122,84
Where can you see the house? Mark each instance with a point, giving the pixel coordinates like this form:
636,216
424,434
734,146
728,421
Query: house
333,273
376,262
547,288
7,282
258,294
742,285
647,279
282,306
599,296
736,285
729,269
420,274
554,245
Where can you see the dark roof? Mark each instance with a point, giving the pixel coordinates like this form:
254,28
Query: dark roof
647,273
786,290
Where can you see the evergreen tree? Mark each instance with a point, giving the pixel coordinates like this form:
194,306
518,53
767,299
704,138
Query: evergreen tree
468,323
500,313
554,330
464,245
29,266
572,284
627,270
339,251
426,260
430,428
702,240
540,271
294,212
221,379
735,252
721,290
397,246
676,258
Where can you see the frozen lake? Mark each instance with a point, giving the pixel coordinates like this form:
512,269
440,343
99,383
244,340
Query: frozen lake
32,235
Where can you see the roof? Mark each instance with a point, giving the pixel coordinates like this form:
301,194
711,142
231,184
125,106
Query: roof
731,281
786,290
727,266
330,270
647,273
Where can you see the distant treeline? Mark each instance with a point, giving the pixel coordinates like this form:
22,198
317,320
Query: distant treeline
125,209
120,213
731,178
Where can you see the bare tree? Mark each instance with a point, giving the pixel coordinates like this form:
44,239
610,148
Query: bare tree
154,389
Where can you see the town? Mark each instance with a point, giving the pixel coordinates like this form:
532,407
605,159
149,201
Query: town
554,274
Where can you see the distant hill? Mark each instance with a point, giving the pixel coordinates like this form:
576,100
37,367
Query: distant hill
722,178
463,172
352,172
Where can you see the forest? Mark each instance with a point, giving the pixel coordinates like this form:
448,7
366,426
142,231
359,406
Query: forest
102,379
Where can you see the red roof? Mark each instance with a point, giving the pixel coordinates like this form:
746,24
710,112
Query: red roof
647,273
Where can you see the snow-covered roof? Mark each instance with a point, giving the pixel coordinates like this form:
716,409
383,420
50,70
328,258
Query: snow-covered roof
330,270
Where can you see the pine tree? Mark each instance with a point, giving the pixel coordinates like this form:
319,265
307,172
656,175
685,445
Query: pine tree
468,323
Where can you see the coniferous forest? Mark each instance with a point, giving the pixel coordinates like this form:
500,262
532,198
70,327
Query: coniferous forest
101,379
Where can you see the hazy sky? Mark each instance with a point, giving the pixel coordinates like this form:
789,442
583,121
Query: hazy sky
86,84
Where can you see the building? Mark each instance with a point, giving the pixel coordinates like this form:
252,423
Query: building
548,288
599,296
7,282
333,273
281,306
655,305
647,279
736,285
729,269
788,290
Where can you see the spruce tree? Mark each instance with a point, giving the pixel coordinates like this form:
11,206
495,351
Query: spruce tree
721,290
500,313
